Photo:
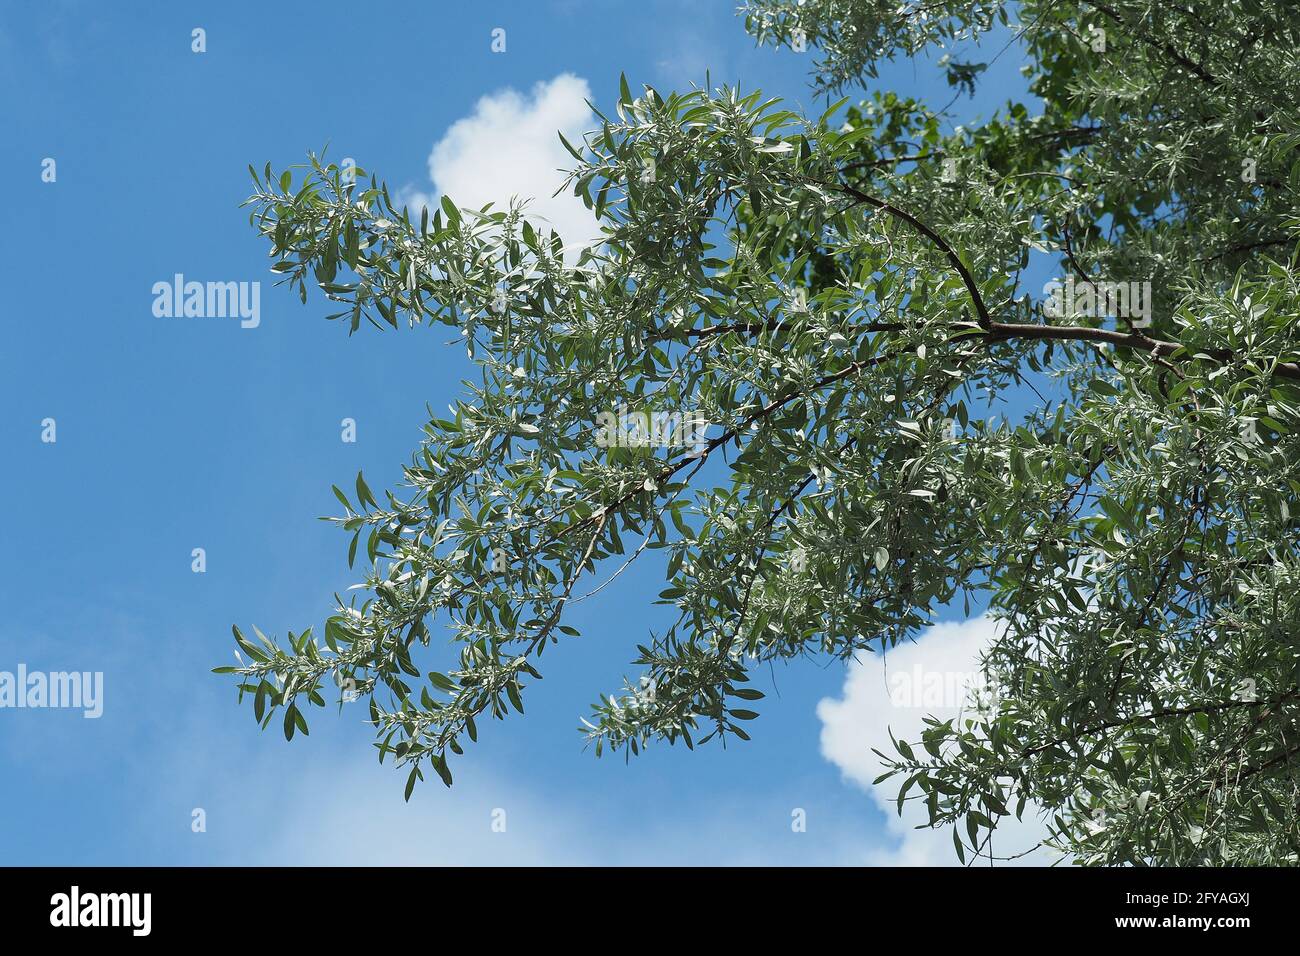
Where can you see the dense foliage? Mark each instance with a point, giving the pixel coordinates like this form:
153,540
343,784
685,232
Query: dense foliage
843,300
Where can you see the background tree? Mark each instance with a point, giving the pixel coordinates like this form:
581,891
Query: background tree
841,298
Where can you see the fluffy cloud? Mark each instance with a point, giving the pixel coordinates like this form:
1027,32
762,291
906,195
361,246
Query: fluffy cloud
896,690
508,147
354,816
331,807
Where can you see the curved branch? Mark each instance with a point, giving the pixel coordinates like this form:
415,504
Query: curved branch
968,280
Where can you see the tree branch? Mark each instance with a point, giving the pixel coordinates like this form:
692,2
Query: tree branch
1001,331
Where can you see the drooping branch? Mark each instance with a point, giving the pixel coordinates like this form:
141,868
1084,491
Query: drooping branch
968,280
1007,330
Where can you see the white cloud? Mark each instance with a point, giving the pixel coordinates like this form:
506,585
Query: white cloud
355,816
896,690
330,807
509,147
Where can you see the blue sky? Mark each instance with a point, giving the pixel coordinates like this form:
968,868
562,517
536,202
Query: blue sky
174,434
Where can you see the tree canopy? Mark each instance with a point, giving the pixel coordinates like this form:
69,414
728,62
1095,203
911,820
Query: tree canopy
842,300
